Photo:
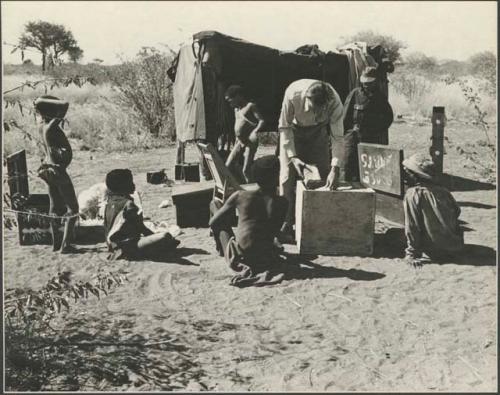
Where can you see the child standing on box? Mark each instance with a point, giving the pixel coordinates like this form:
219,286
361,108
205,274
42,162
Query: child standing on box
126,235
58,156
248,121
252,252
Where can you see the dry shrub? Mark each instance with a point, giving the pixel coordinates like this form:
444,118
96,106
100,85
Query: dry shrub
415,95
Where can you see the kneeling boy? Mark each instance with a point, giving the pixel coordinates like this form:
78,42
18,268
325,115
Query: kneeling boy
126,235
431,214
261,214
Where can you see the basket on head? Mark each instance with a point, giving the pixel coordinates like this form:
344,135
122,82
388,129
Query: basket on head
51,107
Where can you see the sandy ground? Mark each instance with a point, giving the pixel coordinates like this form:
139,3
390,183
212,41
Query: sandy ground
356,324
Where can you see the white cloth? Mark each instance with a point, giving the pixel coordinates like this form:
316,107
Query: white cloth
297,112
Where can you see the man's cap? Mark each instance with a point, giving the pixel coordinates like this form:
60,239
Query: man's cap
369,74
51,106
421,165
266,170
120,181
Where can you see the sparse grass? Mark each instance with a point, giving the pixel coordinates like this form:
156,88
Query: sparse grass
415,95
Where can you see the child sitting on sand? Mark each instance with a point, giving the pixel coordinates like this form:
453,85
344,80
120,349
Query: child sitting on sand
252,251
247,123
431,214
126,235
58,156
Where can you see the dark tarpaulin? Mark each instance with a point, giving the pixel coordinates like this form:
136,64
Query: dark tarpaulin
264,72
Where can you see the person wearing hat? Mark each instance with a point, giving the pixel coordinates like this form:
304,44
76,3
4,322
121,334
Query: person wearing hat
431,214
57,157
252,252
367,118
310,125
126,235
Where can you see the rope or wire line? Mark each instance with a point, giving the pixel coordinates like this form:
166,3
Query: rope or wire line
41,214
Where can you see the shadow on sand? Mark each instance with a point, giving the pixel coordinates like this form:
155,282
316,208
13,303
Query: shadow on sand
177,256
393,243
298,268
457,183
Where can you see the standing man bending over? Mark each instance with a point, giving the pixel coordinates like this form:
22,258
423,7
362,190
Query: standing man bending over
310,124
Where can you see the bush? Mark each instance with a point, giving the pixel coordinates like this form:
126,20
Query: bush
144,87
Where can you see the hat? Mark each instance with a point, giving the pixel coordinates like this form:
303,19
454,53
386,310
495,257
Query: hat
51,106
421,165
266,171
369,74
120,181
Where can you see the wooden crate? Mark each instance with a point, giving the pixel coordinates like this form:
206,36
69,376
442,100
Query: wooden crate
335,222
192,203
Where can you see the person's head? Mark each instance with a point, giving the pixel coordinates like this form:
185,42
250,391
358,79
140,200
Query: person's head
419,168
120,181
317,93
49,107
368,80
265,172
235,95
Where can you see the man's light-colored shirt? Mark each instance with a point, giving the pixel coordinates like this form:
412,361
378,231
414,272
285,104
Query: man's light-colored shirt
297,111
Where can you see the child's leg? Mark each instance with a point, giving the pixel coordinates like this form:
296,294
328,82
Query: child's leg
56,208
233,161
67,191
249,156
156,245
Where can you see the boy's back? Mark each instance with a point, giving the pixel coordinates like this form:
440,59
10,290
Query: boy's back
260,219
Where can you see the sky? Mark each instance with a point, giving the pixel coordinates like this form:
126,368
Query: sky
106,29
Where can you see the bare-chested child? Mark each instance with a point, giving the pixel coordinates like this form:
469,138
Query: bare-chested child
261,215
57,157
126,234
248,121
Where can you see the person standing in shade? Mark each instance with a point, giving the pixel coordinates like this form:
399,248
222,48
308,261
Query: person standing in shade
431,214
310,125
367,118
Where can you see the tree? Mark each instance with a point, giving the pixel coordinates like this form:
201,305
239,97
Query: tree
47,38
144,86
483,64
392,45
75,54
420,61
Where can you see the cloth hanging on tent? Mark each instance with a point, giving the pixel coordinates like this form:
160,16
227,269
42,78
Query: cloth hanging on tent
188,97
359,59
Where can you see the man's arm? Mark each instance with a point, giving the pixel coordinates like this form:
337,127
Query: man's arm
220,215
337,130
260,122
285,127
348,111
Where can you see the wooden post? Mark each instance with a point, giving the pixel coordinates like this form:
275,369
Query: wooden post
437,146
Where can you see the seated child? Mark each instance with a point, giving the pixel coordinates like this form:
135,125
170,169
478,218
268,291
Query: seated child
431,214
247,123
126,235
261,214
57,157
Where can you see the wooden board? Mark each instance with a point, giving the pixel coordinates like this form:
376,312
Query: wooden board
390,208
335,222
380,168
17,171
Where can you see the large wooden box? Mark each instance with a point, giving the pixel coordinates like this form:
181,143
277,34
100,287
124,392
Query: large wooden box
335,222
192,204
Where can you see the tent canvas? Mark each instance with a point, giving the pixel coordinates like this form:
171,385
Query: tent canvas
204,69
